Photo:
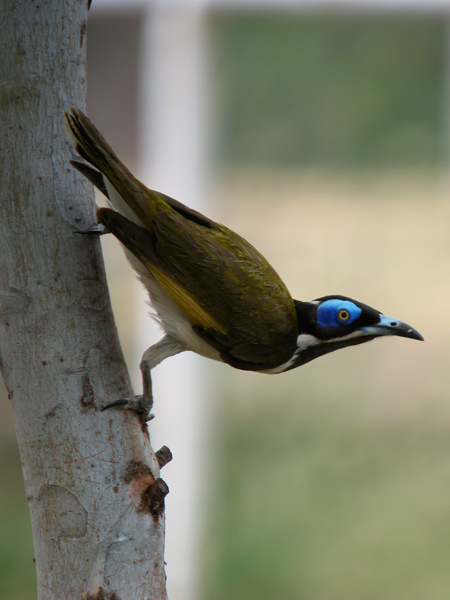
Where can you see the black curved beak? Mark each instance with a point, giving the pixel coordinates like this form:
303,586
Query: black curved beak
389,326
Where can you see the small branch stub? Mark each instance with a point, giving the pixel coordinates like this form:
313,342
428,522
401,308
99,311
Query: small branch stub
155,496
164,456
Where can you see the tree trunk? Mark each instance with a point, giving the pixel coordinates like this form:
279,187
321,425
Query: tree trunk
91,478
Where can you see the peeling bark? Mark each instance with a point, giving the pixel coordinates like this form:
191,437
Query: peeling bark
59,352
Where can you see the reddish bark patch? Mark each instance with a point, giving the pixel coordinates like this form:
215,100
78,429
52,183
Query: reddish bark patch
151,491
138,472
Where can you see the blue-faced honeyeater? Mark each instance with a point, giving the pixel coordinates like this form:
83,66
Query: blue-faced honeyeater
212,291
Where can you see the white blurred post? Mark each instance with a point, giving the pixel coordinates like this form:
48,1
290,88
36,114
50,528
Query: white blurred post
172,158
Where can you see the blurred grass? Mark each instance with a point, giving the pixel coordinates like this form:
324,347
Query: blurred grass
313,506
302,88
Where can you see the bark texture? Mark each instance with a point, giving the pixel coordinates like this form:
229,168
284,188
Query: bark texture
91,478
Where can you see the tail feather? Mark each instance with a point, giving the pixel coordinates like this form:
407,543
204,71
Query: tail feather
126,194
92,146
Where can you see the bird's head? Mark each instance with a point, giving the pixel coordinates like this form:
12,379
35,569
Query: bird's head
334,322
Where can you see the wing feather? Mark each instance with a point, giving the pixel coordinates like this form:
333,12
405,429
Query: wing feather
233,298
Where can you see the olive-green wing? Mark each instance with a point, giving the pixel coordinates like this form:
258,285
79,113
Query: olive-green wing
229,292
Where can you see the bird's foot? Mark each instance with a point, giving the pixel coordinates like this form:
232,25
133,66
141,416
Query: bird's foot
140,404
94,230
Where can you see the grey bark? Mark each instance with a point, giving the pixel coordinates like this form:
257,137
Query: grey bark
91,478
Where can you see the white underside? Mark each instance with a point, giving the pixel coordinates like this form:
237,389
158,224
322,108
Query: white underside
168,315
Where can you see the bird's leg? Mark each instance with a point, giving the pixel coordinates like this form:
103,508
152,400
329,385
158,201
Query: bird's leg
166,347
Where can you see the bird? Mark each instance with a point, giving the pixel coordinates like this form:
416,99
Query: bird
212,292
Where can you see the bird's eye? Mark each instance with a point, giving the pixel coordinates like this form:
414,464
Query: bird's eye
343,315
335,312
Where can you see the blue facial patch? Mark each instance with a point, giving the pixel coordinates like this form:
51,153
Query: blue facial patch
335,313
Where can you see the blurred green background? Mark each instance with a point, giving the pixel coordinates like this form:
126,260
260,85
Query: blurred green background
338,92
332,481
